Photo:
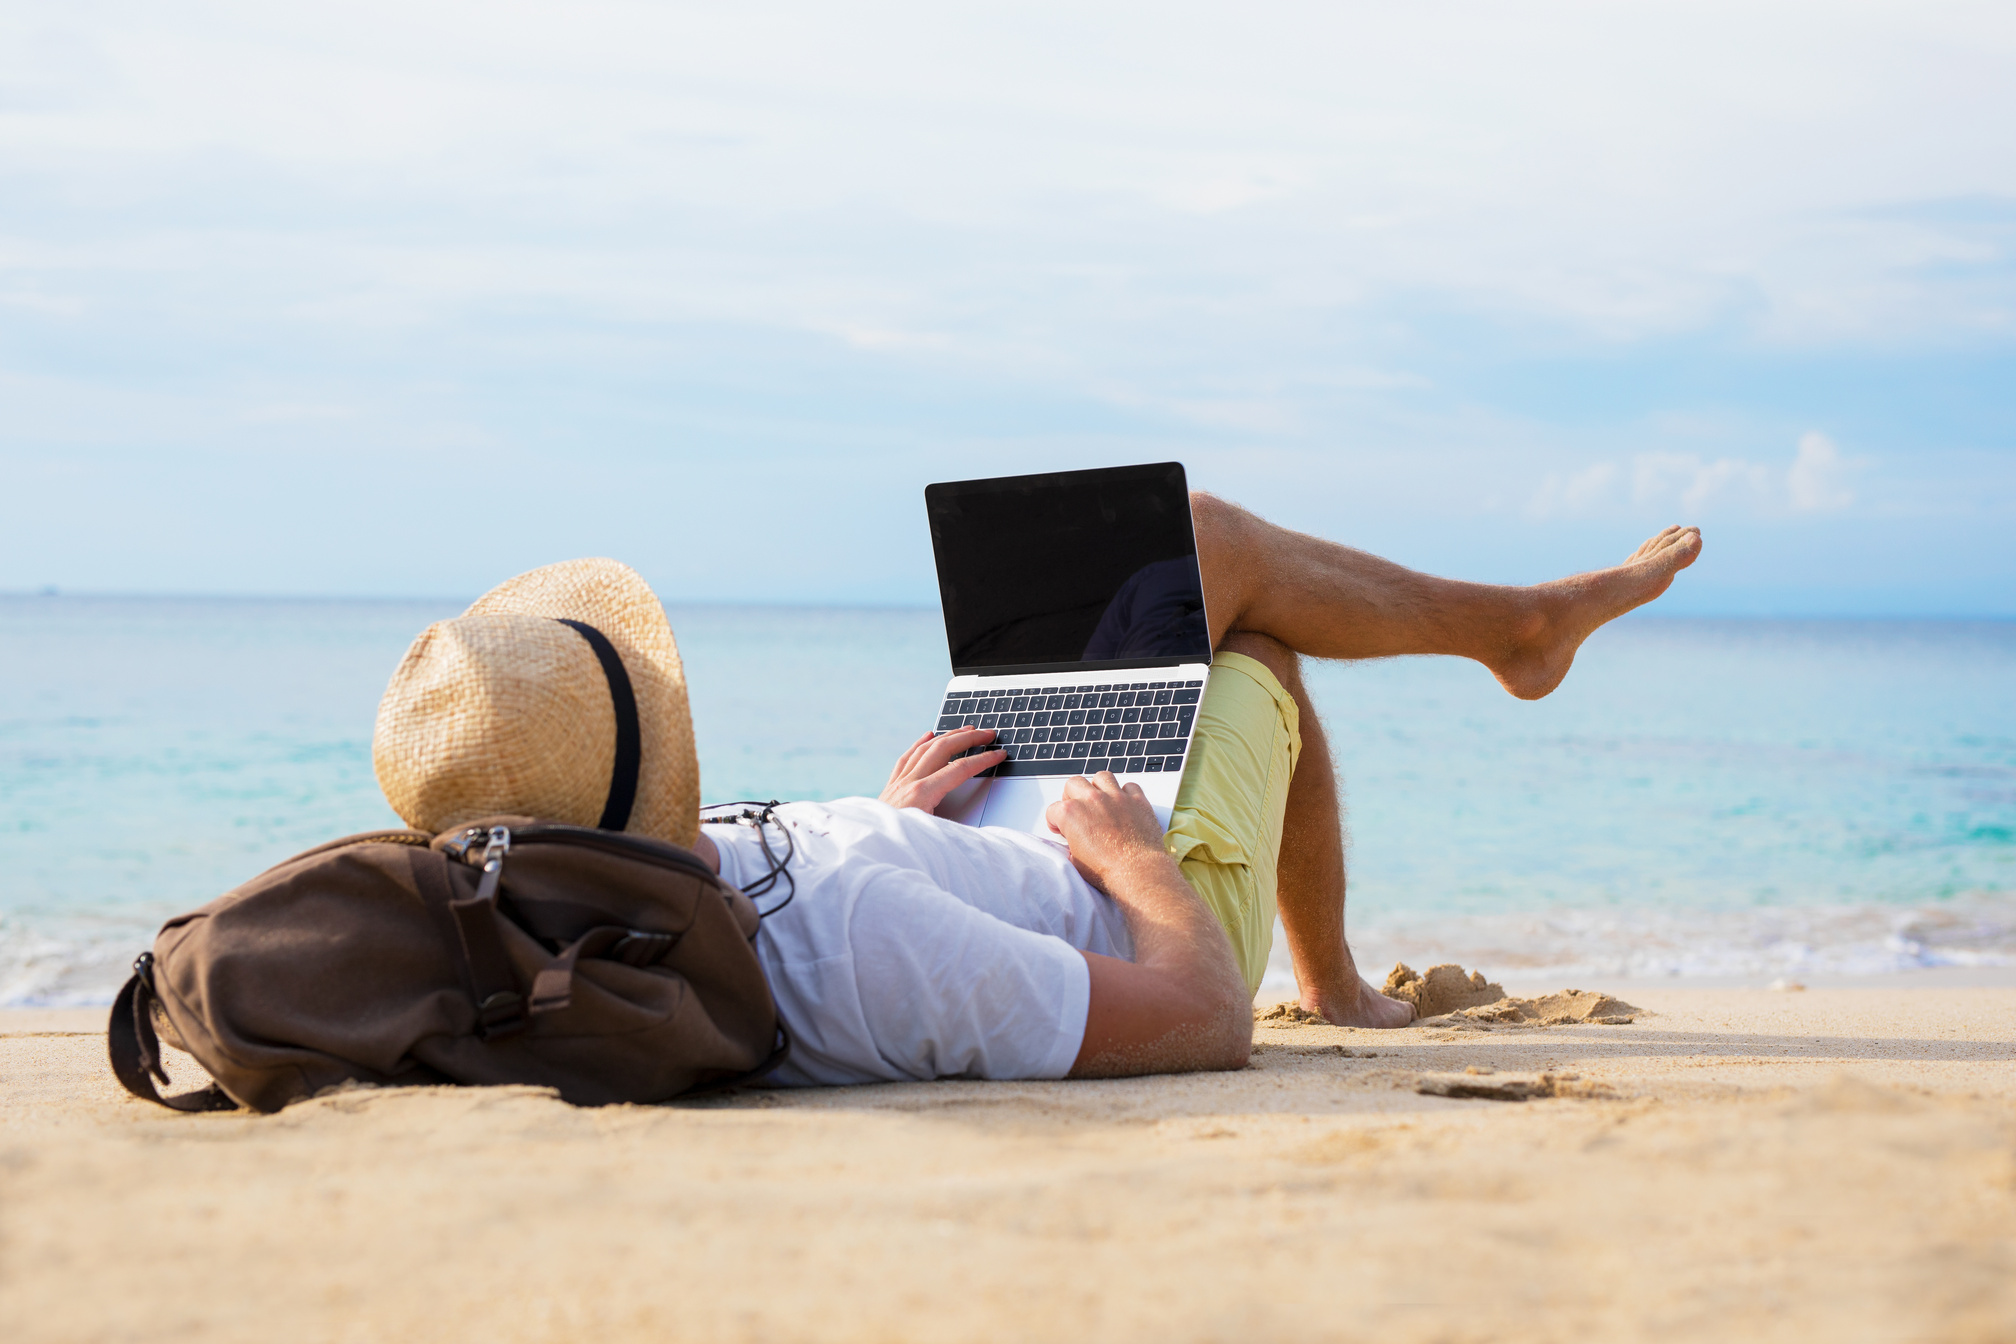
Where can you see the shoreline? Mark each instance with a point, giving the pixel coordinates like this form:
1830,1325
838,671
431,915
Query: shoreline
1914,977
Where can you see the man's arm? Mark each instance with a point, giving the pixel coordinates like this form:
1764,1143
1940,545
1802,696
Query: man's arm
1180,1004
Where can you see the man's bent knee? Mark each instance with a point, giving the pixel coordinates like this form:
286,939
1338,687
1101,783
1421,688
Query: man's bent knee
1269,652
1228,559
1220,528
1210,514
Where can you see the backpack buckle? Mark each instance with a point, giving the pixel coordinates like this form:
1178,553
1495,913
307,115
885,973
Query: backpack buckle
501,1014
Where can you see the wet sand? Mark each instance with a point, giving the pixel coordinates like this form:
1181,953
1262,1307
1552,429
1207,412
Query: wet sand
1733,1164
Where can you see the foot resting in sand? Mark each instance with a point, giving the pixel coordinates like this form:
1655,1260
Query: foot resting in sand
1364,1007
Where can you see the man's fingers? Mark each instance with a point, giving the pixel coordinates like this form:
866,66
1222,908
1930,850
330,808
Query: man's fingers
1090,790
916,749
952,775
968,766
945,746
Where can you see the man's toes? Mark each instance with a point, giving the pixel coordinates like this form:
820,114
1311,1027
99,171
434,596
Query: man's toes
1672,540
1652,543
1674,554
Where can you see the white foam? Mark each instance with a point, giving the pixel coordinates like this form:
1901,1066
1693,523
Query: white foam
1766,943
69,963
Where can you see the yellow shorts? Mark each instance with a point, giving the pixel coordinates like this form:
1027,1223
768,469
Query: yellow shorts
1225,831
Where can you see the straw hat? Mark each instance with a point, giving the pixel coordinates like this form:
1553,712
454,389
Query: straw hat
518,705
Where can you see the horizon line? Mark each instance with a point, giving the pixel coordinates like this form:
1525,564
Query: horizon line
113,595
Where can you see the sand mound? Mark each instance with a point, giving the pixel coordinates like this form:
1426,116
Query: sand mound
1445,989
1549,1010
1449,996
1455,997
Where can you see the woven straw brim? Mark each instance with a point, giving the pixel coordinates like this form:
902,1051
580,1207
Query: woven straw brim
504,710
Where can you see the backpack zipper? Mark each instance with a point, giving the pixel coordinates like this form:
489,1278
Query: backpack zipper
475,845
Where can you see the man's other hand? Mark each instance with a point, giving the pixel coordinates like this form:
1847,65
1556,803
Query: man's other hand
1111,828
927,771
1180,1003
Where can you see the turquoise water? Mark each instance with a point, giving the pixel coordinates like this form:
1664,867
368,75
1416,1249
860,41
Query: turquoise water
1700,797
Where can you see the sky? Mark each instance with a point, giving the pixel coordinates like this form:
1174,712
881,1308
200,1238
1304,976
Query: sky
402,299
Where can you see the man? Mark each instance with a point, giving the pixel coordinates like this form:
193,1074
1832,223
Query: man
904,946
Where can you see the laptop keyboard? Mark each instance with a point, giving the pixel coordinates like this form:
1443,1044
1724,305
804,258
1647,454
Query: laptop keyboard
1140,727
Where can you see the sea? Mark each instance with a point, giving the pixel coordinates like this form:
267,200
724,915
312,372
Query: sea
1715,800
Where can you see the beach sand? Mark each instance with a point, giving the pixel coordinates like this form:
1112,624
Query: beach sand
1735,1163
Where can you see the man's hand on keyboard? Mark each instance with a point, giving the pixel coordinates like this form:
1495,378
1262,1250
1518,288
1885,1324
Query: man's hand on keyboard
927,771
1114,835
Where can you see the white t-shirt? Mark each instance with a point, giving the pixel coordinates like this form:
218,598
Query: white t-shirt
918,948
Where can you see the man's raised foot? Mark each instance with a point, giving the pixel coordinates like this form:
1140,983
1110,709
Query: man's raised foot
1567,611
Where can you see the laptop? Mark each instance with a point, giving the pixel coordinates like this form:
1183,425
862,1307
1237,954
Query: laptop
1074,614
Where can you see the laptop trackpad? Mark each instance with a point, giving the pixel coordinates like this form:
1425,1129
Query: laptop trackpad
1020,803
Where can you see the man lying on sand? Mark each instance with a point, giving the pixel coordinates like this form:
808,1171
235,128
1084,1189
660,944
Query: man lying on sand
913,947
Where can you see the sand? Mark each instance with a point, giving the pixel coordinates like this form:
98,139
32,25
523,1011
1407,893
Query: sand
1837,1164
1442,989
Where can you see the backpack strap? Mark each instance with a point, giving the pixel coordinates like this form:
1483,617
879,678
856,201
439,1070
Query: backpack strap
553,987
500,1006
501,1009
136,1050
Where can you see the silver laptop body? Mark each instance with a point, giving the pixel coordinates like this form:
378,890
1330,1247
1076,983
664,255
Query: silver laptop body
1074,616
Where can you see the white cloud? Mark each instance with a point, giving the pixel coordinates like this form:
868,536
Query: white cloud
1245,414
1581,492
54,305
1815,483
1724,478
1281,234
882,338
1694,483
1211,194
287,413
1557,162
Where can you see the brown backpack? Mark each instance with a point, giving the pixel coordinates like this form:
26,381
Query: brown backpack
609,966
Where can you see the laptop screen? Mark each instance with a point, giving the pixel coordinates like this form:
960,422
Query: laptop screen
1069,571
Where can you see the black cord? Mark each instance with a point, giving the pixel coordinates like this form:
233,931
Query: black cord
763,813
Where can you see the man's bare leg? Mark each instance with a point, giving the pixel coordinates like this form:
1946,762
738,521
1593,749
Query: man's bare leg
1272,594
1329,601
1309,876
